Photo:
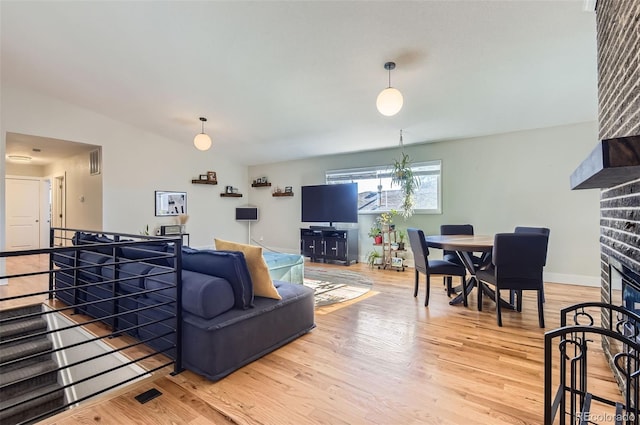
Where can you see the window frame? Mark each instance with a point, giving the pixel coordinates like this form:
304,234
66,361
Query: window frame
384,171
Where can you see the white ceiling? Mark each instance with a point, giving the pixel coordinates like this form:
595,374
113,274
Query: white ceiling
294,79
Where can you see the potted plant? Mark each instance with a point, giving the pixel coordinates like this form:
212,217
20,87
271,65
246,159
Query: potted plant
375,233
401,235
385,220
374,258
402,176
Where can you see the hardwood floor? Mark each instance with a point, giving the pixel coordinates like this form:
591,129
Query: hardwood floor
381,359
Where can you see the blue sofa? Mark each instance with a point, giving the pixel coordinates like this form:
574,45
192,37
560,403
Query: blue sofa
224,326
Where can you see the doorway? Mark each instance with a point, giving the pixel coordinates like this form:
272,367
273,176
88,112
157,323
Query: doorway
22,200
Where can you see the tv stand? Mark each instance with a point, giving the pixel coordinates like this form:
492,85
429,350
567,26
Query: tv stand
329,244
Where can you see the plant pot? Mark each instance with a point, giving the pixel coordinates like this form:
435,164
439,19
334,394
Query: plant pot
400,246
377,261
378,240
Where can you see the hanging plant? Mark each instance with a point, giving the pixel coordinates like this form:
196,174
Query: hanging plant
402,176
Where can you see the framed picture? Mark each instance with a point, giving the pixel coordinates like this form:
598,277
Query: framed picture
228,189
170,203
204,177
212,175
288,189
396,262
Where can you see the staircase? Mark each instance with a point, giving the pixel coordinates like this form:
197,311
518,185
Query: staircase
28,388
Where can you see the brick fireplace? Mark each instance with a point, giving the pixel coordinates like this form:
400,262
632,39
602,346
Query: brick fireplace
619,116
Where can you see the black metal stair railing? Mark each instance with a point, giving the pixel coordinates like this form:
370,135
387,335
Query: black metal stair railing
89,282
570,399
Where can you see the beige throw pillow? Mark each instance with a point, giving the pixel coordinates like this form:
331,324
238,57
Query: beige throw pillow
260,277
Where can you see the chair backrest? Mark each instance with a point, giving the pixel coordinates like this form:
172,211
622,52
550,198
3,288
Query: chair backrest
455,229
519,259
537,230
419,248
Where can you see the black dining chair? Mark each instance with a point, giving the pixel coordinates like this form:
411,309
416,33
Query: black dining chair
452,256
518,261
538,230
431,267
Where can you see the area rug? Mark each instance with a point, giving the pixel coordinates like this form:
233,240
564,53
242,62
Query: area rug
334,285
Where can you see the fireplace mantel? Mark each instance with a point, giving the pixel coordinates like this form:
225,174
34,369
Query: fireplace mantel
612,162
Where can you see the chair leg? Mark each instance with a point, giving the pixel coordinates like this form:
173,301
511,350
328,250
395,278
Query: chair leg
543,300
449,285
479,290
519,301
498,308
415,289
541,308
465,301
426,298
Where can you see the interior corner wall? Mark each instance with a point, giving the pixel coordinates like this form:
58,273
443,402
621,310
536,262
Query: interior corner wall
135,163
494,182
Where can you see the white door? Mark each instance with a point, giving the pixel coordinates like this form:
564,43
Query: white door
22,200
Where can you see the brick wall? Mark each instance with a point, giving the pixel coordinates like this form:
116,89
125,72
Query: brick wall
618,31
618,23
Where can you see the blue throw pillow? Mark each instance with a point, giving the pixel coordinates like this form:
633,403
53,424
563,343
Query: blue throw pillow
144,251
228,265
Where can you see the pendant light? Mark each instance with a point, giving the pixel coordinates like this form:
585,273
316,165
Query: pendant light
202,140
389,100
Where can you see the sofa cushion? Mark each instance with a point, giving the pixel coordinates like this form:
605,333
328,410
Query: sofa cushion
131,276
202,295
262,283
146,252
228,265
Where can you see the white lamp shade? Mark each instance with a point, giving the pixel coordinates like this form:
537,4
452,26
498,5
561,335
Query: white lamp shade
202,141
389,101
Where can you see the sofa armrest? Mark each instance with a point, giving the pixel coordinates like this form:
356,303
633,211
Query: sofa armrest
228,265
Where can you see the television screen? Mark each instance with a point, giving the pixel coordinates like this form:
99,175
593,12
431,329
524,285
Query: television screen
331,203
247,214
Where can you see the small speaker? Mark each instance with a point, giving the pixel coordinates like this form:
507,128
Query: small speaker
247,214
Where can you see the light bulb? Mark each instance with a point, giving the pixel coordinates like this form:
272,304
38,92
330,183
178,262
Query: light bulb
389,101
202,141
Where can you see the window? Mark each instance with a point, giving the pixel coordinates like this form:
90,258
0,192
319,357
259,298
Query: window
376,195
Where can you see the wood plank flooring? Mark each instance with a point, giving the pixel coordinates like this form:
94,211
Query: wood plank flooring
381,359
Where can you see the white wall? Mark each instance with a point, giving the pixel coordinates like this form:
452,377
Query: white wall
493,182
135,164
83,192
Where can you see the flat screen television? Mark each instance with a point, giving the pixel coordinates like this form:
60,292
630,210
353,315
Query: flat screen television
330,203
247,214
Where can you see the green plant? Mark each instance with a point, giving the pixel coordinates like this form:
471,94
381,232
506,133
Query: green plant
374,231
386,218
402,176
401,235
145,231
371,257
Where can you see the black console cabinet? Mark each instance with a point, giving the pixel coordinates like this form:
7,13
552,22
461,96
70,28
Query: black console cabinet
330,245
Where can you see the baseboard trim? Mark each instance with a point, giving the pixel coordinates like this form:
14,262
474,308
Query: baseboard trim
572,279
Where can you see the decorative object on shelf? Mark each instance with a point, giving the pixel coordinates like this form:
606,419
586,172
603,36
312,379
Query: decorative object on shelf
170,203
402,176
182,221
288,189
260,182
389,101
375,234
171,229
202,141
374,258
145,231
209,178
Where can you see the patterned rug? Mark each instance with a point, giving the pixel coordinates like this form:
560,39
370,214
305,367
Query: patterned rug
334,285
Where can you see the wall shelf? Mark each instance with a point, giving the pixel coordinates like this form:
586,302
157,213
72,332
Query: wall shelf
231,195
278,194
196,181
260,184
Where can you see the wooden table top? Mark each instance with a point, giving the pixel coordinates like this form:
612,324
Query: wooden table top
473,243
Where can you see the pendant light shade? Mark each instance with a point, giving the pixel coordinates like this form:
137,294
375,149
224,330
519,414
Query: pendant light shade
202,141
389,100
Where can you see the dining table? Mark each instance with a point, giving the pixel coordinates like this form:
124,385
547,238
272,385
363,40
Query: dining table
464,246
